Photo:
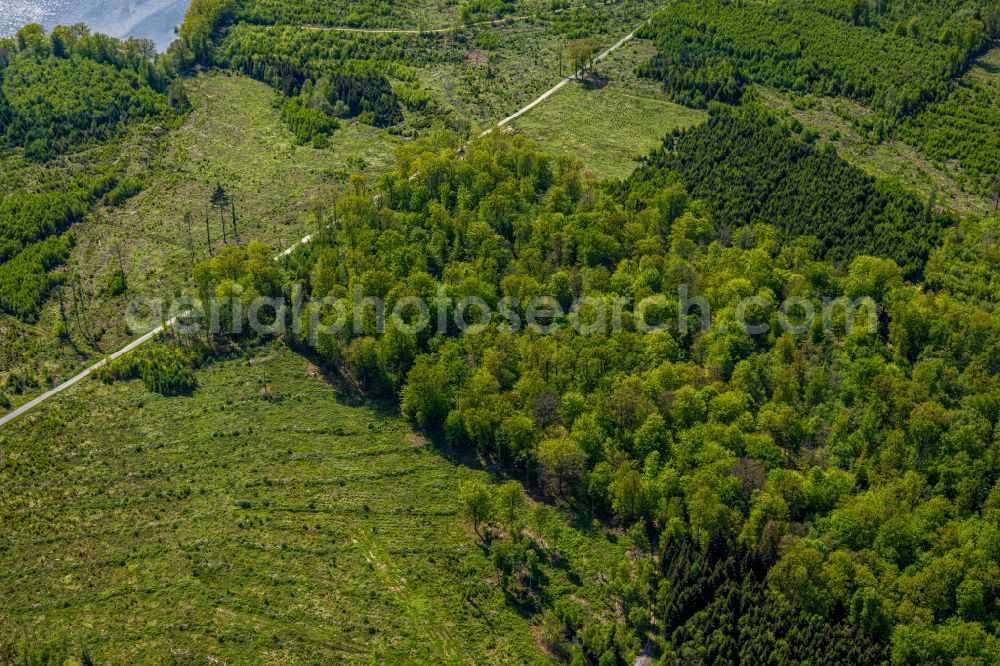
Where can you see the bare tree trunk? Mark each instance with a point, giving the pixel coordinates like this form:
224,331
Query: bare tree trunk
208,232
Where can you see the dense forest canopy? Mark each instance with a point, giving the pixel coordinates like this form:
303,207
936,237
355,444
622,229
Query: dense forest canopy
27,218
964,127
709,49
840,480
967,262
35,236
25,279
62,92
368,13
750,170
376,13
336,74
68,87
941,20
771,377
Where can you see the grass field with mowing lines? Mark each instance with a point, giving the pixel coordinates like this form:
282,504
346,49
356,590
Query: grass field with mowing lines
271,521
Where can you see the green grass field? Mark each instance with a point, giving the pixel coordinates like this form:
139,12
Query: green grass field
260,519
610,125
987,68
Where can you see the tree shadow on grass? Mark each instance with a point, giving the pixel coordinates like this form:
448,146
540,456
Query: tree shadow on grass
988,67
593,81
349,393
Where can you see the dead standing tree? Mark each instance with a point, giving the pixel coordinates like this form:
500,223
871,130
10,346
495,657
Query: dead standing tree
208,233
220,200
232,209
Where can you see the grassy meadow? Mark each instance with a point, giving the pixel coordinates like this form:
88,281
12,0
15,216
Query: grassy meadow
234,137
262,518
608,122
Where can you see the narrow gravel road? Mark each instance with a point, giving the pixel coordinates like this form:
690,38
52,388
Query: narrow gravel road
554,89
76,379
28,406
